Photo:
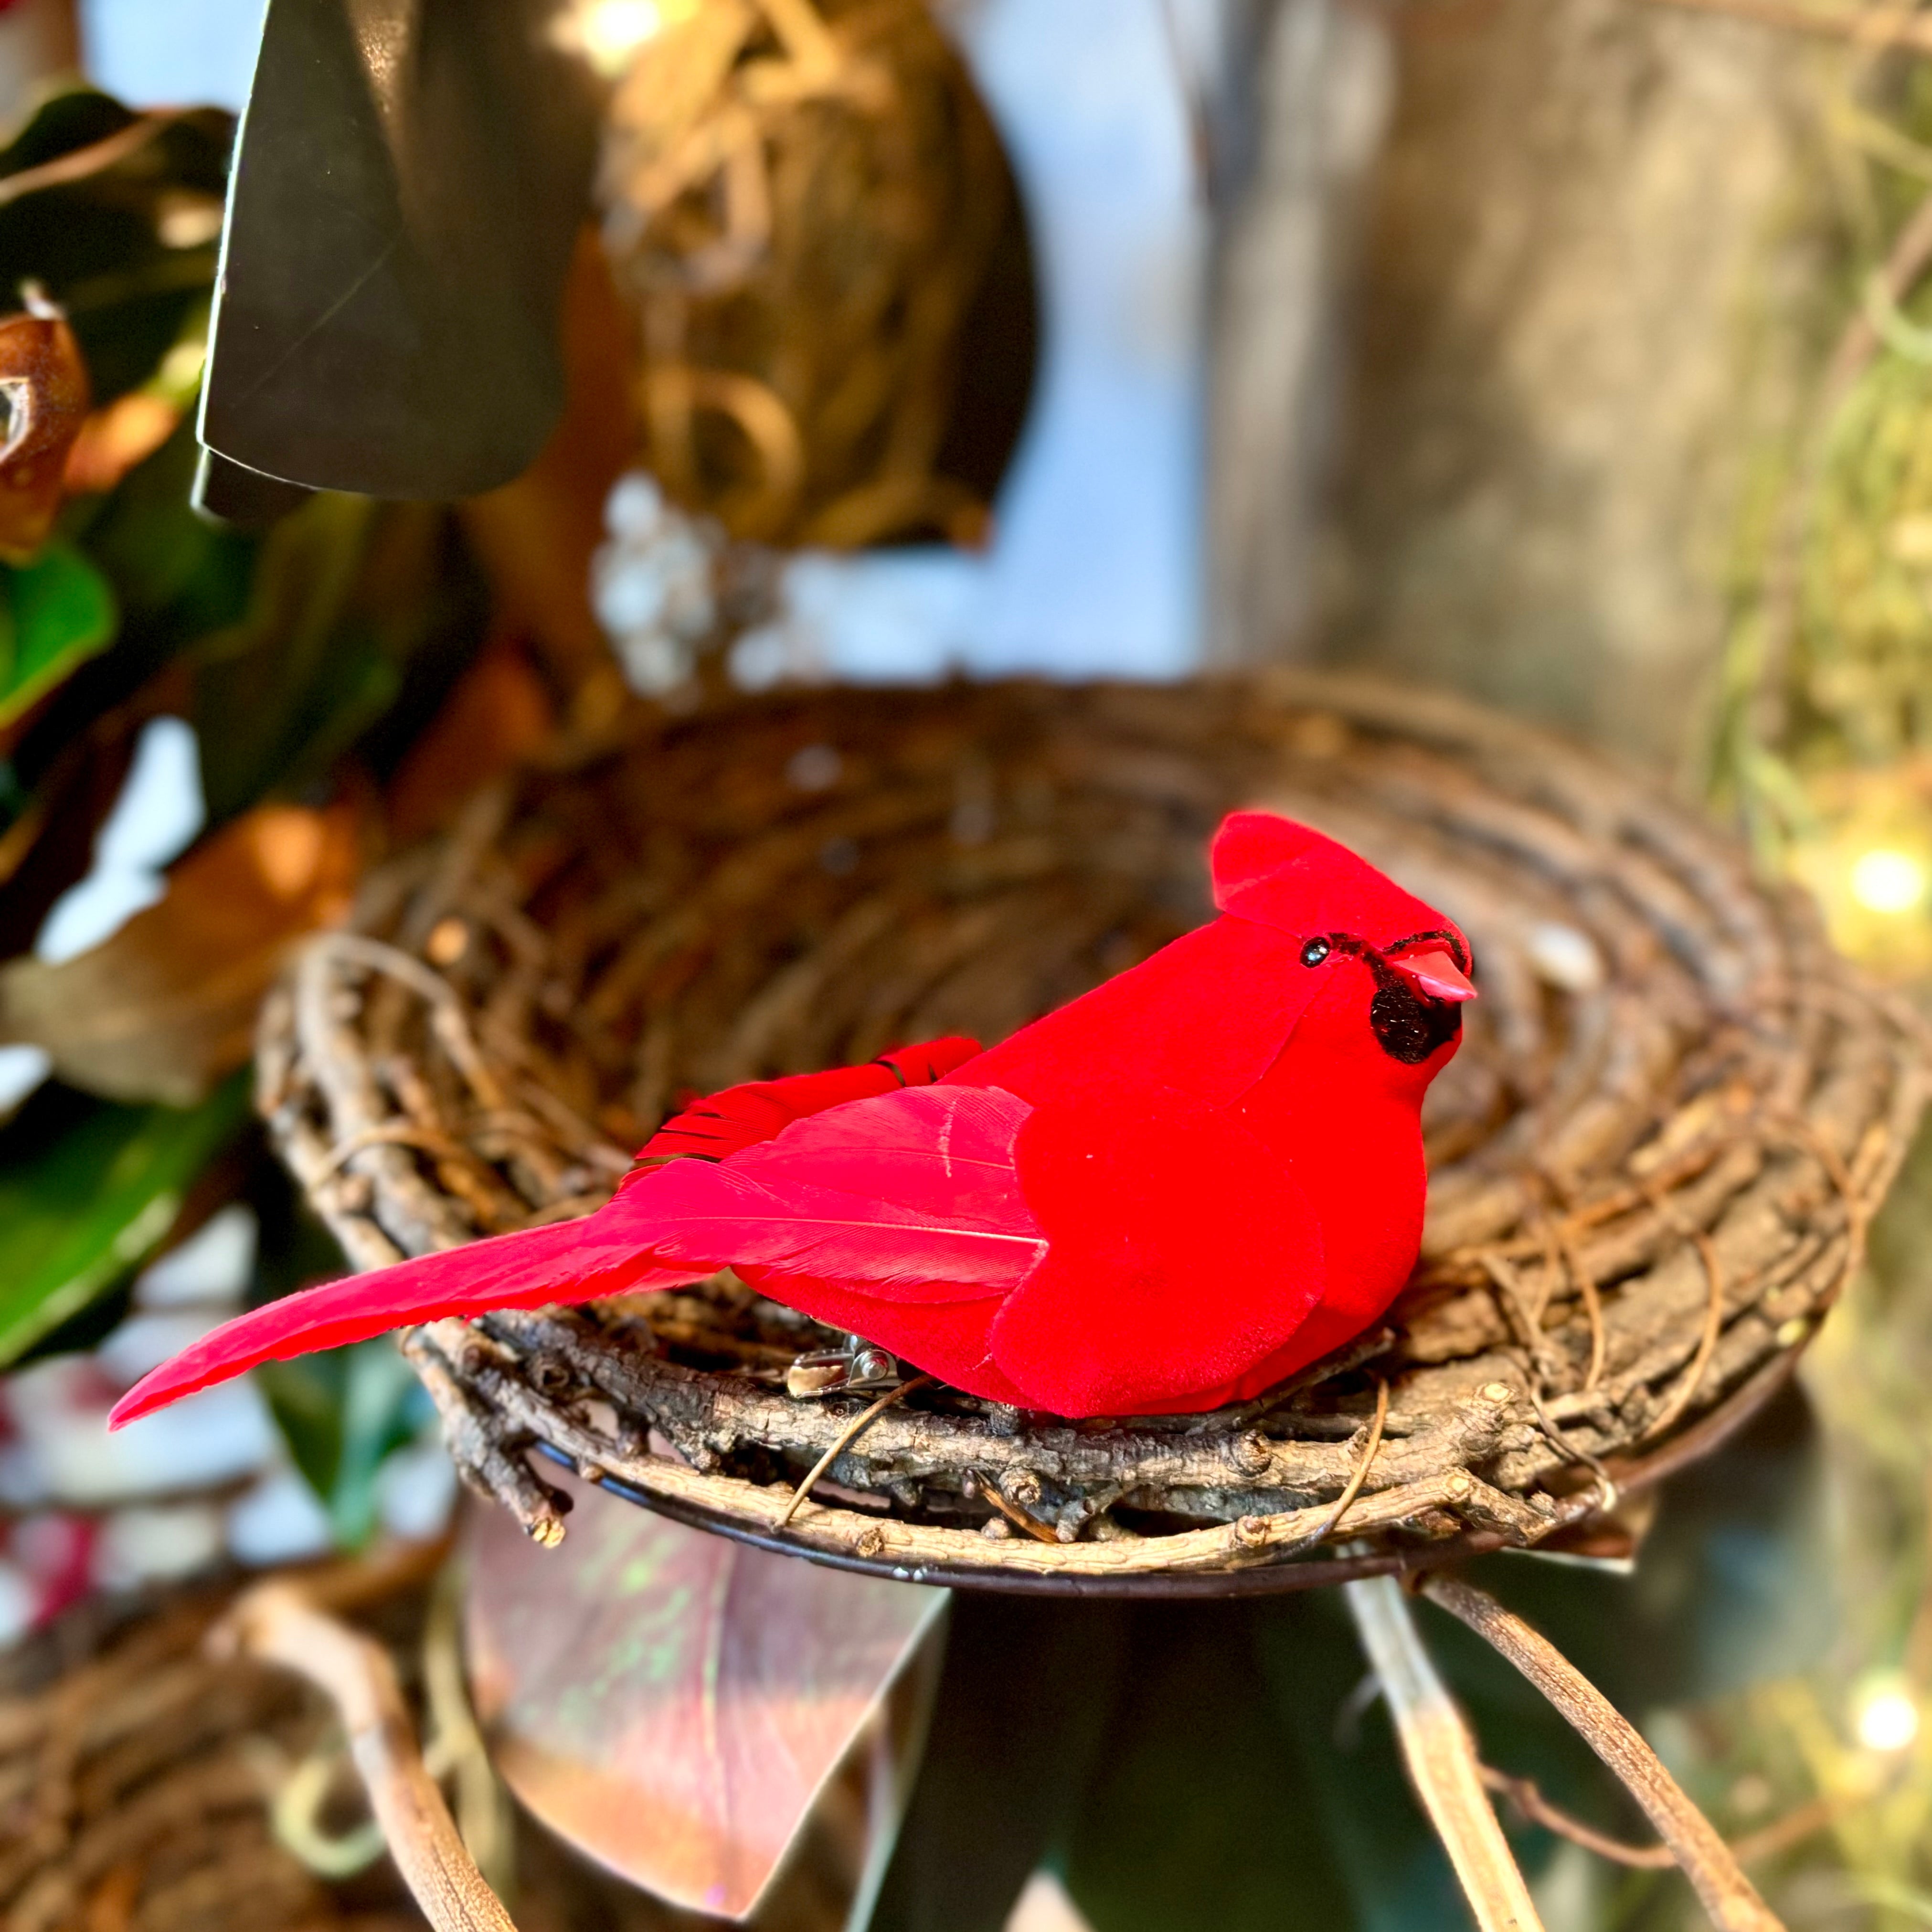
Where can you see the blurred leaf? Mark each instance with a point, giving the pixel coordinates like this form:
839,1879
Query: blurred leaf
78,1215
1028,1686
284,675
351,603
177,577
43,382
55,613
174,579
1356,1793
343,1413
670,1701
167,1006
1202,1810
409,187
120,437
124,240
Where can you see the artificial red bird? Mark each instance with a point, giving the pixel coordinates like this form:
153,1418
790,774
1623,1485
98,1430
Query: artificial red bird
1169,1194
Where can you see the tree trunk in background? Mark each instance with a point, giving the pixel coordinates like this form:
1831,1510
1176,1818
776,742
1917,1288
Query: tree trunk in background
1304,105
37,40
1589,296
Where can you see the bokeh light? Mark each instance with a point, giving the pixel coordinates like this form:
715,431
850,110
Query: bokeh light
1888,881
607,33
1885,1716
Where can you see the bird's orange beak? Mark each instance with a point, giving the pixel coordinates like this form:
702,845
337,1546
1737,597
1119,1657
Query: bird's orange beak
1435,973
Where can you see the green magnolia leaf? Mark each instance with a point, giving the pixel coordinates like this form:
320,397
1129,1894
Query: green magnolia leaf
291,684
355,606
176,579
81,1211
343,1413
55,613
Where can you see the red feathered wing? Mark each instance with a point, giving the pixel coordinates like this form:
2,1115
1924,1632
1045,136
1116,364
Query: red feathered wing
742,1117
908,1194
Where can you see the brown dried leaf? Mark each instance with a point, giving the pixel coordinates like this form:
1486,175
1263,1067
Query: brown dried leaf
45,384
499,714
672,1702
165,1007
112,441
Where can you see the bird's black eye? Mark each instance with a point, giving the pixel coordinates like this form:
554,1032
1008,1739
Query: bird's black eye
1315,952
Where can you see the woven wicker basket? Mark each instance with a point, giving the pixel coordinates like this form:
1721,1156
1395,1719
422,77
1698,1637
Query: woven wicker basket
1652,1162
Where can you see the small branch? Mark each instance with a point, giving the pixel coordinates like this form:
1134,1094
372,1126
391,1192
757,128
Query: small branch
475,1440
275,1622
846,1436
1781,1835
1021,1520
1441,1756
1728,1896
1334,1521
1526,1796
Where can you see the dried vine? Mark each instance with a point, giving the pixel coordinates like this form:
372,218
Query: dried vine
1653,1163
139,1774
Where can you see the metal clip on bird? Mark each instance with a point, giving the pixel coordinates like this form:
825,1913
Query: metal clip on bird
859,1365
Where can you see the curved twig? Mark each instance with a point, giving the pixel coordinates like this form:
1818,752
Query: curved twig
860,1423
1680,1398
1710,1864
1324,1531
1526,1794
276,1622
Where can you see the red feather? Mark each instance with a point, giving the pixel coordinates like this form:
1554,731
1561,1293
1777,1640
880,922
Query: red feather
741,1116
1175,1190
910,1194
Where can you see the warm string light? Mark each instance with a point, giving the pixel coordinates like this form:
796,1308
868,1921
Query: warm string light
1885,1716
1887,881
607,33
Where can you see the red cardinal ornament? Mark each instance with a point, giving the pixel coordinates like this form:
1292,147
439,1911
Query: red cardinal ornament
1166,1196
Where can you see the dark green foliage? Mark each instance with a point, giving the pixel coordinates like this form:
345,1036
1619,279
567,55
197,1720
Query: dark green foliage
99,244
1217,1768
55,613
397,256
88,1192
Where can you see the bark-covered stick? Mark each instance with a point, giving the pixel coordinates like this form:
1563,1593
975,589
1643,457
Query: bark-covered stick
276,1623
1728,1896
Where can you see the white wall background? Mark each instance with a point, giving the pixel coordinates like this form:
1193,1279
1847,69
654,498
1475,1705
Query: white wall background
173,53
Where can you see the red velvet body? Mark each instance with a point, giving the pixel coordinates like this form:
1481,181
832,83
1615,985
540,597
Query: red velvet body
1171,1193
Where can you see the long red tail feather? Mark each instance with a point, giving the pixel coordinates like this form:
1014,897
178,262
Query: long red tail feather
900,1190
572,1261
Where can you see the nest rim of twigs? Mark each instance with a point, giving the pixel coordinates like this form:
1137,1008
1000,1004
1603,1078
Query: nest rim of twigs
1619,1270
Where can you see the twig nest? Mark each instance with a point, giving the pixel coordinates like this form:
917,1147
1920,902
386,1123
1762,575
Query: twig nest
1652,1162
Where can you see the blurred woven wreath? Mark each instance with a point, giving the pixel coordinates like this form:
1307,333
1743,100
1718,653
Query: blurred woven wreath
1652,1163
812,211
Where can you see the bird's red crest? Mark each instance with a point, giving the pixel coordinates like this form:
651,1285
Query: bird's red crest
1279,874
